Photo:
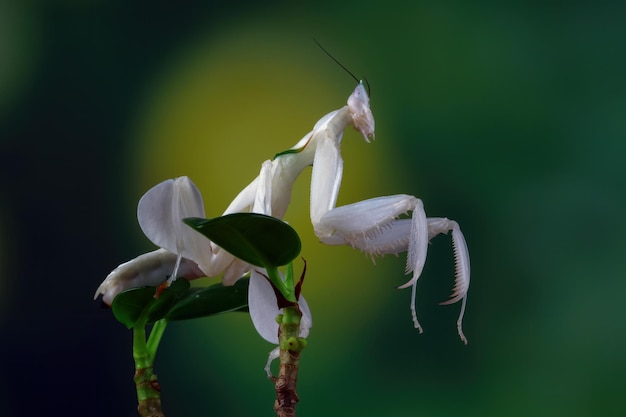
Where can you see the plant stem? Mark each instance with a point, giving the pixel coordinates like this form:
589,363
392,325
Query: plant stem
287,291
148,393
158,328
290,347
148,389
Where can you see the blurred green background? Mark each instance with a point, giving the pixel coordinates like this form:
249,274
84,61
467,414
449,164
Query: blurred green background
509,118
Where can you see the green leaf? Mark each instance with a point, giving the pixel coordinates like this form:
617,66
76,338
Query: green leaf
212,300
258,239
137,306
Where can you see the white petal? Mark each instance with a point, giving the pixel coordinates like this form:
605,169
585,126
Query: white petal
234,271
160,213
151,268
274,354
307,320
263,308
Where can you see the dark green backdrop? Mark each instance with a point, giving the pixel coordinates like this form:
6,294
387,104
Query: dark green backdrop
508,118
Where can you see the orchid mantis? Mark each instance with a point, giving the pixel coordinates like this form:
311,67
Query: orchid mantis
374,226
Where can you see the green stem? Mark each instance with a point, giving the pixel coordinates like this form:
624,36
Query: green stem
289,277
290,347
146,383
287,291
140,349
148,393
155,337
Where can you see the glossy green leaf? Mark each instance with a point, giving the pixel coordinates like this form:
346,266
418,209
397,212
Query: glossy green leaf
137,306
208,301
258,239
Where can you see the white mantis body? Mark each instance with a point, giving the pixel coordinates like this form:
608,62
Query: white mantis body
373,226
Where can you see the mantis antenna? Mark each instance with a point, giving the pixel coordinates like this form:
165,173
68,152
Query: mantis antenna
369,90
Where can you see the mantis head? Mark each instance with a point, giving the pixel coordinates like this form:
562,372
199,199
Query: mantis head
362,118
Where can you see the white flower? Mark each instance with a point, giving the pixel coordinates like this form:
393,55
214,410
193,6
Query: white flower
264,309
186,253
160,212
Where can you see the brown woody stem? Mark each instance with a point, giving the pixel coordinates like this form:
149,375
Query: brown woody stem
290,347
148,393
